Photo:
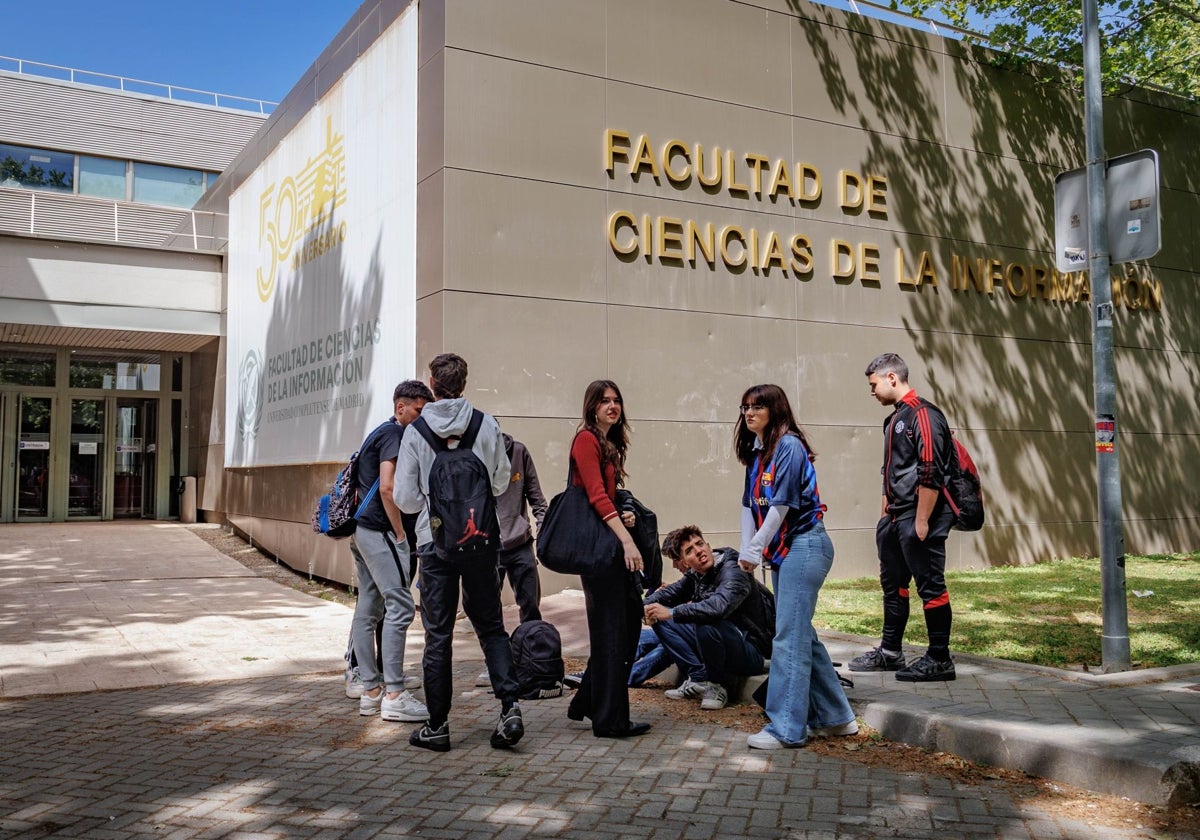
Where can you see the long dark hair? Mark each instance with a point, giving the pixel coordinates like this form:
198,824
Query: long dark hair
781,421
613,445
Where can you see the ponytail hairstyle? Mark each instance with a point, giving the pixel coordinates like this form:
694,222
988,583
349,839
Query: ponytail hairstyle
780,421
613,445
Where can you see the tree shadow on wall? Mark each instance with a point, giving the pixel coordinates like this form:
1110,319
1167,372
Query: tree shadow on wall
979,147
322,306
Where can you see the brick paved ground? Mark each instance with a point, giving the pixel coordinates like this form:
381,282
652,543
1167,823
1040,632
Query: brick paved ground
289,757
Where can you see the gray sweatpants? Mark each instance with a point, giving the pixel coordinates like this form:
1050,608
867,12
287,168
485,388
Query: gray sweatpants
386,569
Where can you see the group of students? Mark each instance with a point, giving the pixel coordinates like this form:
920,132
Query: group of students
782,529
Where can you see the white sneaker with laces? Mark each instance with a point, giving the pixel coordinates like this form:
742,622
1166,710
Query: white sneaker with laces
764,740
484,680
368,705
354,686
848,728
405,708
716,697
688,690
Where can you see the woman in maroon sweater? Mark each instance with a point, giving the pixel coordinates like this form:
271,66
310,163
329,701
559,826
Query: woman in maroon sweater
614,599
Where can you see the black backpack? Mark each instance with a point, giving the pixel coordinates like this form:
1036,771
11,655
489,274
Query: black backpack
462,509
537,660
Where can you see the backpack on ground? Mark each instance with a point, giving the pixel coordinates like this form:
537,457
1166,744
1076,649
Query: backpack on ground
537,660
963,490
337,512
462,509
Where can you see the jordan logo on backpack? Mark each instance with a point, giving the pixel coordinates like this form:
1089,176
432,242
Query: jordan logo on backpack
460,494
471,531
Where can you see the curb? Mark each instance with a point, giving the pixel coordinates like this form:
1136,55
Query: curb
1117,762
1114,766
1122,679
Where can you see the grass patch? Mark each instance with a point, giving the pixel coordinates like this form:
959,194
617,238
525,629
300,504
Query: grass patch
1046,614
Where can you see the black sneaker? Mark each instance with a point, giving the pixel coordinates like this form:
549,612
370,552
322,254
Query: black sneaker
573,680
510,729
876,660
428,738
927,669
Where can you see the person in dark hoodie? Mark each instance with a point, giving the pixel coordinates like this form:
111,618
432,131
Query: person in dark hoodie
448,418
516,537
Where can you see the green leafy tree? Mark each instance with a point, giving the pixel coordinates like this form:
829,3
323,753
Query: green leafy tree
1144,43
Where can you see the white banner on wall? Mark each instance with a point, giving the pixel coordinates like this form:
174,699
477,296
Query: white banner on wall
322,264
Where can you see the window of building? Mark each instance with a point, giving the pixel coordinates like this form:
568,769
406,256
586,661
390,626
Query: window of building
116,371
26,367
102,177
148,183
37,169
154,184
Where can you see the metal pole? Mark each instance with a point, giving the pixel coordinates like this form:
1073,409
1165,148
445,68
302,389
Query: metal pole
1114,639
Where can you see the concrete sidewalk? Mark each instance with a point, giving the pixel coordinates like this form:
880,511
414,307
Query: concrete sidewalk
118,605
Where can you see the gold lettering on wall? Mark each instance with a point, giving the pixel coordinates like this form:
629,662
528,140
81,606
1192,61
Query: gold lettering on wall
752,177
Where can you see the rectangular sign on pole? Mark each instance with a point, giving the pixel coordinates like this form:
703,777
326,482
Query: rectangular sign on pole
1134,220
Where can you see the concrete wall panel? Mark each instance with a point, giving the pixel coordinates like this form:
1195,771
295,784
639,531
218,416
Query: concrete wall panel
520,119
668,45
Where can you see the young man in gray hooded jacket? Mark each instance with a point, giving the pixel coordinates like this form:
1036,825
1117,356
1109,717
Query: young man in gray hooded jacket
448,417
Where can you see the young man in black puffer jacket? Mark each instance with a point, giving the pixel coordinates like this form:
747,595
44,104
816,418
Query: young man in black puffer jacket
717,621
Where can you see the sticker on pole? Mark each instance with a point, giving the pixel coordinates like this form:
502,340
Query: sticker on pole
1106,435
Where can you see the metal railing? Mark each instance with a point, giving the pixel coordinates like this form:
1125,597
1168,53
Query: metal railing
887,13
86,219
175,93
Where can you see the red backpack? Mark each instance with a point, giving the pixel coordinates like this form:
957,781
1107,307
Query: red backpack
963,490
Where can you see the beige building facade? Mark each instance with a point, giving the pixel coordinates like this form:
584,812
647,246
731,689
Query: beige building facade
691,197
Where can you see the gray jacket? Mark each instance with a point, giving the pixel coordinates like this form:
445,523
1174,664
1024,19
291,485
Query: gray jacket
447,418
510,506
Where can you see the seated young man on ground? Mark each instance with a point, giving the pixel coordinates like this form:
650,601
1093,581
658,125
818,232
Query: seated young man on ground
714,621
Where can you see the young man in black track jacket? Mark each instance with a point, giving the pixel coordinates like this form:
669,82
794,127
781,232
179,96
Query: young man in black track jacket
916,519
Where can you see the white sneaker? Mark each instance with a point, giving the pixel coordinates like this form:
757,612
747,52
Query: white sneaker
688,690
412,682
716,697
406,708
848,728
368,705
484,680
764,740
354,686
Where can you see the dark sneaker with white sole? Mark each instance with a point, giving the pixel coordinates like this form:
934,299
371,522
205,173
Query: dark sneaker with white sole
927,669
510,729
428,738
876,660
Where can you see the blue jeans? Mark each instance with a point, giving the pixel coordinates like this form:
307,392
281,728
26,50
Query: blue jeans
803,690
385,575
714,652
650,660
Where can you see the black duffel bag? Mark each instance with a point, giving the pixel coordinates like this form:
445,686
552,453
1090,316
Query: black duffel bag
573,539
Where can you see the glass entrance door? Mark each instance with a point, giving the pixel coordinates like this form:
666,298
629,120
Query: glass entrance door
35,420
133,470
86,477
150,460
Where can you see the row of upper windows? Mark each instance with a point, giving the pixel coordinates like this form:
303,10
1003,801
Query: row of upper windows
122,180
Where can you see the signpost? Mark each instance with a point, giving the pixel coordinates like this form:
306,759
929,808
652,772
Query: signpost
1083,231
1132,210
